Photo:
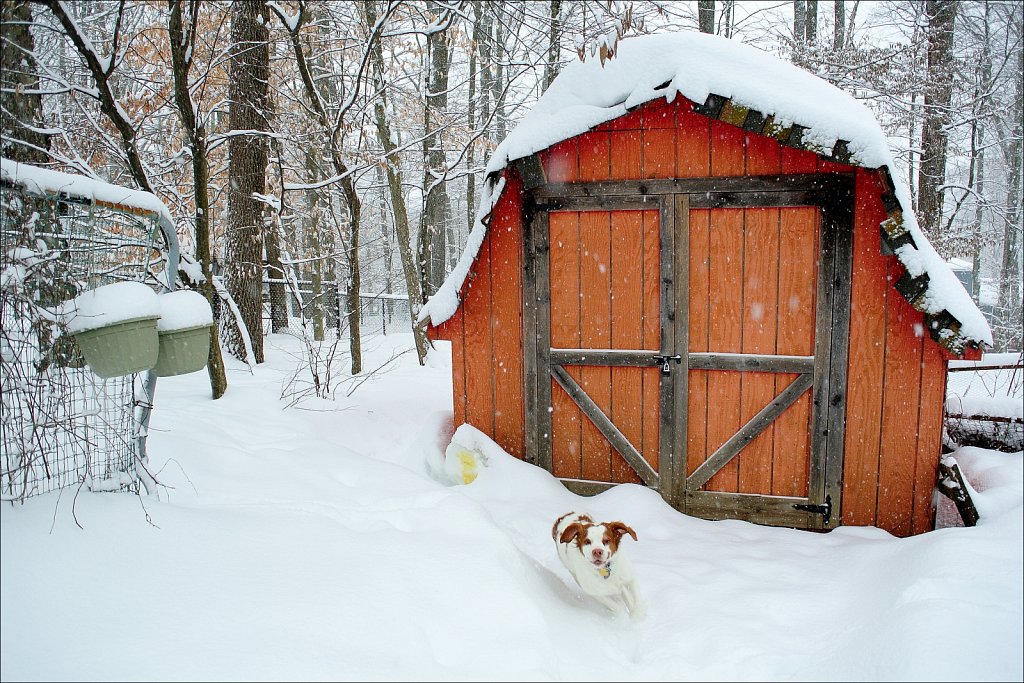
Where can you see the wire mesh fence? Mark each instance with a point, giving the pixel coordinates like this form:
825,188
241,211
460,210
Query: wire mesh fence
985,402
61,424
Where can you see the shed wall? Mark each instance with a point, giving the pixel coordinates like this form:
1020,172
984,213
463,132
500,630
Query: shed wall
896,379
896,384
487,331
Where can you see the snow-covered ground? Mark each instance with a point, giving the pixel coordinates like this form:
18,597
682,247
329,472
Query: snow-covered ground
321,542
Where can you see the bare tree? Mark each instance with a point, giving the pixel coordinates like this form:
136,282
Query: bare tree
811,21
183,35
941,16
706,15
1009,333
101,68
247,169
399,210
839,41
22,134
800,21
552,67
330,127
436,215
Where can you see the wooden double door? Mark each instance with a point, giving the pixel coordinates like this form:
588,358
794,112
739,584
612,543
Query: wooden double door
693,341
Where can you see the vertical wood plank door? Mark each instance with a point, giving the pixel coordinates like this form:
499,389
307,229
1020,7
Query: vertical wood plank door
605,329
753,360
692,341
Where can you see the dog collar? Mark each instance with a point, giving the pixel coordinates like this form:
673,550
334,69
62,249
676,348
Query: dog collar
605,570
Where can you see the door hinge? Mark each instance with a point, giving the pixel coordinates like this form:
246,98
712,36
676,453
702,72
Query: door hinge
824,510
665,362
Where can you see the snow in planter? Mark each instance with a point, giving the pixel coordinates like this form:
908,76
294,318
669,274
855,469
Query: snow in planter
183,310
111,304
184,333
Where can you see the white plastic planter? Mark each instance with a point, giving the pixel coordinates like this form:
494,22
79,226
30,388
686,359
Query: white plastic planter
184,333
116,328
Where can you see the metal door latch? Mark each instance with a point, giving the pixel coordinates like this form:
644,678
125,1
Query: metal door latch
824,510
665,362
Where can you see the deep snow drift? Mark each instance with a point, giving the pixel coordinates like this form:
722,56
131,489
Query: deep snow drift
326,542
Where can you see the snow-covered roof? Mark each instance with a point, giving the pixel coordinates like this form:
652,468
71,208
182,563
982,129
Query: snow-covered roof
43,181
703,68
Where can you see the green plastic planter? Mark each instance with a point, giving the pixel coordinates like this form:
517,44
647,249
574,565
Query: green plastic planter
183,351
120,349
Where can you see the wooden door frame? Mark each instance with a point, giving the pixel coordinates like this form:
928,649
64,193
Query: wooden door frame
538,366
833,194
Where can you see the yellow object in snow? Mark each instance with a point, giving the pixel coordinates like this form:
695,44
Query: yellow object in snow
468,464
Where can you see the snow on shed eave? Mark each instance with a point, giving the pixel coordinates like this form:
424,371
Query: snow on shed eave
744,86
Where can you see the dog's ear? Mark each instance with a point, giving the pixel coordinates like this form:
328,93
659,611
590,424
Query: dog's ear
619,529
571,532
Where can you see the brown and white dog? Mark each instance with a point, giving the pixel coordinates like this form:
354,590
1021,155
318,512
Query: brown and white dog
592,555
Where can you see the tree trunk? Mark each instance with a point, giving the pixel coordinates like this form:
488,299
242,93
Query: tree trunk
706,15
941,16
275,273
277,286
840,20
314,229
399,210
471,124
486,61
433,243
20,101
1008,334
983,108
195,130
553,65
249,72
799,21
728,17
498,83
811,21
353,282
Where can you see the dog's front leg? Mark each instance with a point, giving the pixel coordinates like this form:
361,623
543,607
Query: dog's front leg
634,603
608,602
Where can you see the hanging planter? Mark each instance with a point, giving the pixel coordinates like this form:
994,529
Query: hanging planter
115,327
184,333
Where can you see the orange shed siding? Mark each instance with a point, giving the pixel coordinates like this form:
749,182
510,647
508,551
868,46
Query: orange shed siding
865,376
896,389
506,261
491,343
896,377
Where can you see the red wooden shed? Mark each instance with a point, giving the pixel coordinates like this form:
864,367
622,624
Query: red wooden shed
694,271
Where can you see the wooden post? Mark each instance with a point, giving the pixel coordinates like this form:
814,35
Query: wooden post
952,485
